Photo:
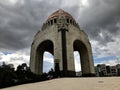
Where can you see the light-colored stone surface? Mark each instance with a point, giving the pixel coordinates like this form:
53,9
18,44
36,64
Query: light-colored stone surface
76,40
106,83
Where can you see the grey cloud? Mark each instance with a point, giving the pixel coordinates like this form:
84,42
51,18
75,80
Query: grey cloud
101,15
20,22
0,58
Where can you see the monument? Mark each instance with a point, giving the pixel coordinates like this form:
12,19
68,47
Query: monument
61,36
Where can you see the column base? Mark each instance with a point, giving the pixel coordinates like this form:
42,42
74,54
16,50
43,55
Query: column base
89,75
68,73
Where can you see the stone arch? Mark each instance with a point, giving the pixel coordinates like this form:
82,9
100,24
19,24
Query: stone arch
46,45
49,64
64,37
79,46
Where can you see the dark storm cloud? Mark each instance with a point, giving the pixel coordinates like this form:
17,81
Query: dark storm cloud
20,22
99,17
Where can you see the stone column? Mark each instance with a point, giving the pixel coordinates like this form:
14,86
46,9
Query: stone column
39,62
32,58
70,56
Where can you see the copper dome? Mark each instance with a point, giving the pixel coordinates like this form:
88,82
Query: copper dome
58,13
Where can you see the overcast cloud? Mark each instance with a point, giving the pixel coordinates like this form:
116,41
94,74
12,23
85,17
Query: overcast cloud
21,19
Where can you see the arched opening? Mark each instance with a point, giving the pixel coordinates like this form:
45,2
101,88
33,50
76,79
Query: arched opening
48,61
83,52
45,46
77,63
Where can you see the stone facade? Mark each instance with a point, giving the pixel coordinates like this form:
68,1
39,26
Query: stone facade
61,36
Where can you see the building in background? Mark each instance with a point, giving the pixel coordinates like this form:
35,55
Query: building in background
113,70
118,69
103,70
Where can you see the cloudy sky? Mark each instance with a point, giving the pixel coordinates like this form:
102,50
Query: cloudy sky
21,19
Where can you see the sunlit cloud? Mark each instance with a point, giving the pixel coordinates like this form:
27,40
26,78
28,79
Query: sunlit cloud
14,58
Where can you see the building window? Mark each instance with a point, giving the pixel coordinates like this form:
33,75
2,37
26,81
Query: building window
74,23
67,20
48,22
55,21
51,22
70,21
